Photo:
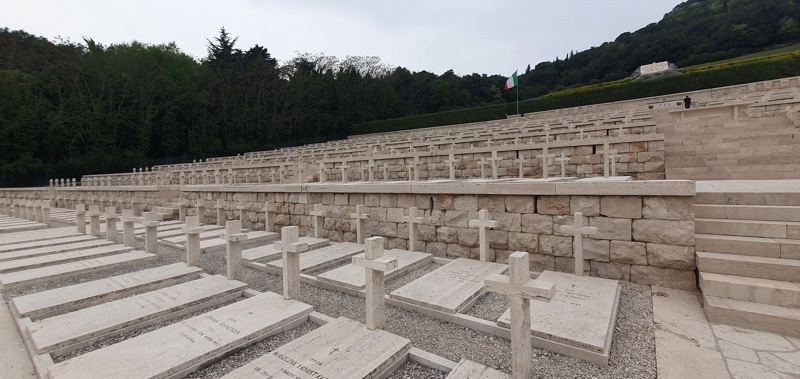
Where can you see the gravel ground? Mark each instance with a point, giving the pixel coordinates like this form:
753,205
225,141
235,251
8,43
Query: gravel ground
632,353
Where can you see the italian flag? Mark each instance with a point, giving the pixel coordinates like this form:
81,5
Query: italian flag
511,82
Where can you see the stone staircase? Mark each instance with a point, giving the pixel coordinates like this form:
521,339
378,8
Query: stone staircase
748,257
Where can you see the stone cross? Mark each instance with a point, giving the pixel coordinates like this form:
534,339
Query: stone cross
182,209
111,224
344,171
613,157
494,159
94,220
317,220
412,220
151,232
361,220
300,178
80,217
323,177
37,211
563,160
375,266
416,167
46,214
233,247
220,212
291,248
363,173
483,162
620,130
520,289
578,230
451,164
482,223
521,162
371,168
269,216
128,236
606,152
193,230
242,207
545,157
201,210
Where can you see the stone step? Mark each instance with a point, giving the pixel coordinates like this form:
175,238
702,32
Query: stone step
748,228
764,317
753,246
748,212
756,290
166,210
748,198
60,258
747,266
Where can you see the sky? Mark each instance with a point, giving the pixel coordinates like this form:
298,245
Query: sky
467,36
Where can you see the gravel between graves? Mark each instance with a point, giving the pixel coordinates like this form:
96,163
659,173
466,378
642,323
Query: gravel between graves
632,352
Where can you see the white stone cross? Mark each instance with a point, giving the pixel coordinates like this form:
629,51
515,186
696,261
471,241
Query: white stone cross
193,230
412,220
521,162
578,230
581,134
563,160
234,237
220,212
620,130
416,167
520,289
291,248
482,223
483,162
300,178
151,224
318,214
371,170
494,159
606,152
375,266
385,173
269,216
94,219
451,164
344,171
363,173
613,157
545,157
322,175
111,224
361,217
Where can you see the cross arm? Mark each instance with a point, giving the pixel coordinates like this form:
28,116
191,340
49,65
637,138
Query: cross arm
379,264
297,247
532,289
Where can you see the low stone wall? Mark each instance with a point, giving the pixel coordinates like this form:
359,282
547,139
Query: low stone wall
645,229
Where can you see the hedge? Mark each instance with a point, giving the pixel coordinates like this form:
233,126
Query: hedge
727,75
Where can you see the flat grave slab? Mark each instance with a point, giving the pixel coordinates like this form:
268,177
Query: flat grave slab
252,237
327,256
165,352
450,287
27,253
51,242
22,227
49,273
352,276
179,231
582,313
466,369
39,304
181,239
36,235
63,330
342,348
269,252
52,259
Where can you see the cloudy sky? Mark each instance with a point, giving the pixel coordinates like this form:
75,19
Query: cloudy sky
487,37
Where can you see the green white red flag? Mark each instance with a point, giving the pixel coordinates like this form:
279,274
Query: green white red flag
511,82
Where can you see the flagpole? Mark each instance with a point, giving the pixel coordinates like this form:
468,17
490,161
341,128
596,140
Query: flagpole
517,95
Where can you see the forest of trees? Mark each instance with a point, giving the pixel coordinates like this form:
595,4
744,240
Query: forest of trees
72,108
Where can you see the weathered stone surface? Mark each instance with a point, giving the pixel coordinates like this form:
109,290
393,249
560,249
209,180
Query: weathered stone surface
498,239
447,234
668,208
523,242
608,270
596,250
611,228
507,221
519,204
458,251
555,245
444,202
666,277
621,206
664,232
536,223
677,257
352,276
542,262
567,265
632,253
553,205
457,219
588,205
438,249
468,237
466,203
492,203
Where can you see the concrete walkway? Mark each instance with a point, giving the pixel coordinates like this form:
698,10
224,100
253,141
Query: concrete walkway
14,360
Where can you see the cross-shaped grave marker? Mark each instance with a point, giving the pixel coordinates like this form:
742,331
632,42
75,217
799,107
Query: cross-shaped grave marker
151,232
94,220
483,162
317,221
482,223
375,266
242,207
371,169
563,160
193,230
220,212
233,247
46,213
111,224
520,289
451,164
606,152
361,219
269,216
128,236
323,177
521,162
494,159
545,157
201,210
613,157
344,171
385,173
291,248
412,220
578,230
